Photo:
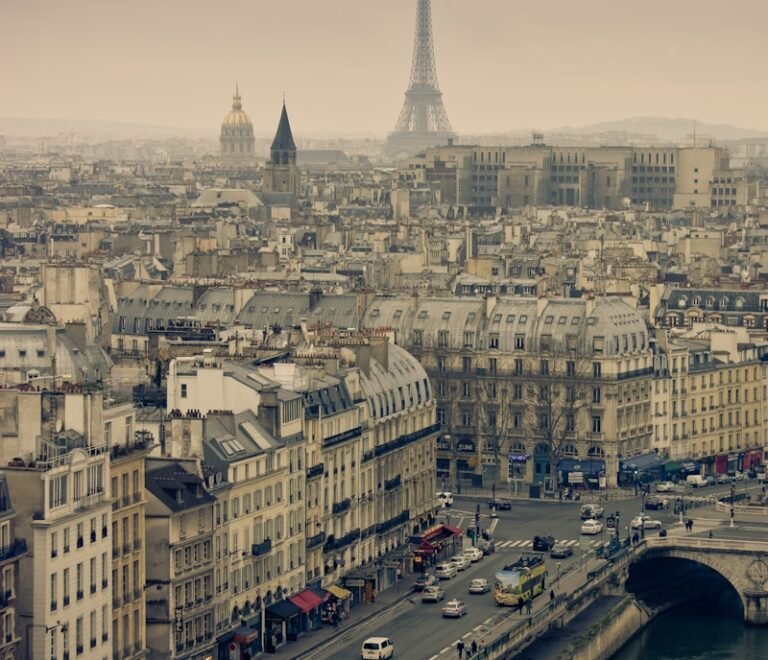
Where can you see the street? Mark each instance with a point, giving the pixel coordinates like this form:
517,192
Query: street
419,631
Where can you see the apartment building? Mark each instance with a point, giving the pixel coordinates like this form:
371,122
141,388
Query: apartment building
709,398
12,548
128,449
527,387
179,560
58,480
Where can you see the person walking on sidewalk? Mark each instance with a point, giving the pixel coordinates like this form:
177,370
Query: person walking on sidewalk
473,647
520,605
551,598
460,648
529,606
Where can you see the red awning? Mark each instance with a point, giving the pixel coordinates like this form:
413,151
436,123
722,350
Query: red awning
454,530
300,603
425,549
307,600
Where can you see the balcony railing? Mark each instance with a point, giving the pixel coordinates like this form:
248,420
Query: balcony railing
393,483
16,548
341,507
399,519
316,540
342,437
402,441
342,542
315,471
258,549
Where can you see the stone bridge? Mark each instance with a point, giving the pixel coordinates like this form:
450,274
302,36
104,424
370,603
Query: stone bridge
744,564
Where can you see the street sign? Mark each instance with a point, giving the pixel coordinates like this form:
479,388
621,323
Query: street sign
354,582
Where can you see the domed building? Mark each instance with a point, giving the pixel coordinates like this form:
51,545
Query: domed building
236,140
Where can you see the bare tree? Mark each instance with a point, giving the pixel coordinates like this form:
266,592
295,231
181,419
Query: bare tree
494,415
559,387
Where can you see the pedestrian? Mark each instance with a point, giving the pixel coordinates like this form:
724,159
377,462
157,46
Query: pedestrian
551,595
460,648
520,604
560,493
711,535
690,523
529,606
473,647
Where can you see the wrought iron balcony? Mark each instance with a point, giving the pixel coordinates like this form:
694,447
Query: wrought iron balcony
258,549
341,507
316,540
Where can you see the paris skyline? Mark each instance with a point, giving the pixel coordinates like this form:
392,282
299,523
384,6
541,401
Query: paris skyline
502,65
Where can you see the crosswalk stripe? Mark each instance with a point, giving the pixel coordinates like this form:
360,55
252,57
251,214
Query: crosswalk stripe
525,544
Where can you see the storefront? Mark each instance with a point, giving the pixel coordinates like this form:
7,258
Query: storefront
679,470
436,543
580,474
283,623
337,605
309,603
241,643
640,469
752,458
721,464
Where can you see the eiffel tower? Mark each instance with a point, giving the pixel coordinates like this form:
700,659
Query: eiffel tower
423,121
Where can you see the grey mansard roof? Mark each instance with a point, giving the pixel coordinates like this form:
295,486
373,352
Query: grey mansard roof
404,385
286,309
540,323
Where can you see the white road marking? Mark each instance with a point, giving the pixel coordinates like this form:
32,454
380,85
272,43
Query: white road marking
447,648
573,542
493,524
467,635
433,657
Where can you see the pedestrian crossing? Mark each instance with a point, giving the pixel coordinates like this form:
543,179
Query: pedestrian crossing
518,545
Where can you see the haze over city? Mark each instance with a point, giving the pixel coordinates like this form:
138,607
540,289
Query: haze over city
343,64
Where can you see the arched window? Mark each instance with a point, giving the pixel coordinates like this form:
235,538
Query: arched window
541,450
595,452
569,451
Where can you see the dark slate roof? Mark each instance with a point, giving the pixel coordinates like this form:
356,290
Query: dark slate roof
286,309
284,138
165,482
333,398
221,430
720,300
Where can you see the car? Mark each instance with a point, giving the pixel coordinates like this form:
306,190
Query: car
589,511
461,562
488,547
722,479
479,586
424,581
455,608
655,503
445,498
446,571
473,554
560,550
737,476
665,487
432,594
591,527
500,505
377,648
646,522
543,543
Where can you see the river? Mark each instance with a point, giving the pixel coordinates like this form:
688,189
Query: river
699,631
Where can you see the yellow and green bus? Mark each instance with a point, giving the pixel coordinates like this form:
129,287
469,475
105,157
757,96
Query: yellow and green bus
525,579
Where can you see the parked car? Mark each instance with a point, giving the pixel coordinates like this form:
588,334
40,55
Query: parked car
479,586
500,505
589,511
696,480
543,543
377,648
473,554
424,581
488,547
591,527
656,503
665,487
737,476
432,594
454,608
560,550
446,571
646,522
461,562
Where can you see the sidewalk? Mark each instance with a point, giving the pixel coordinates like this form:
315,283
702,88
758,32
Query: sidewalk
611,494
313,641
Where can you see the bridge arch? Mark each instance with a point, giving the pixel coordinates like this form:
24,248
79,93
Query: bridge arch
742,565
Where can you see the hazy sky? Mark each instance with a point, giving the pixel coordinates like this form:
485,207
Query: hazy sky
344,64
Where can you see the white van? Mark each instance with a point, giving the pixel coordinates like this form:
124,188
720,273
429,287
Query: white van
696,480
445,498
377,648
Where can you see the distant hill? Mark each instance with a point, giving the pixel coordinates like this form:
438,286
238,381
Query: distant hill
668,129
96,128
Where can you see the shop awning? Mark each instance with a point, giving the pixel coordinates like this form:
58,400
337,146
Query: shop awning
454,530
590,466
642,463
339,592
425,548
306,600
283,609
